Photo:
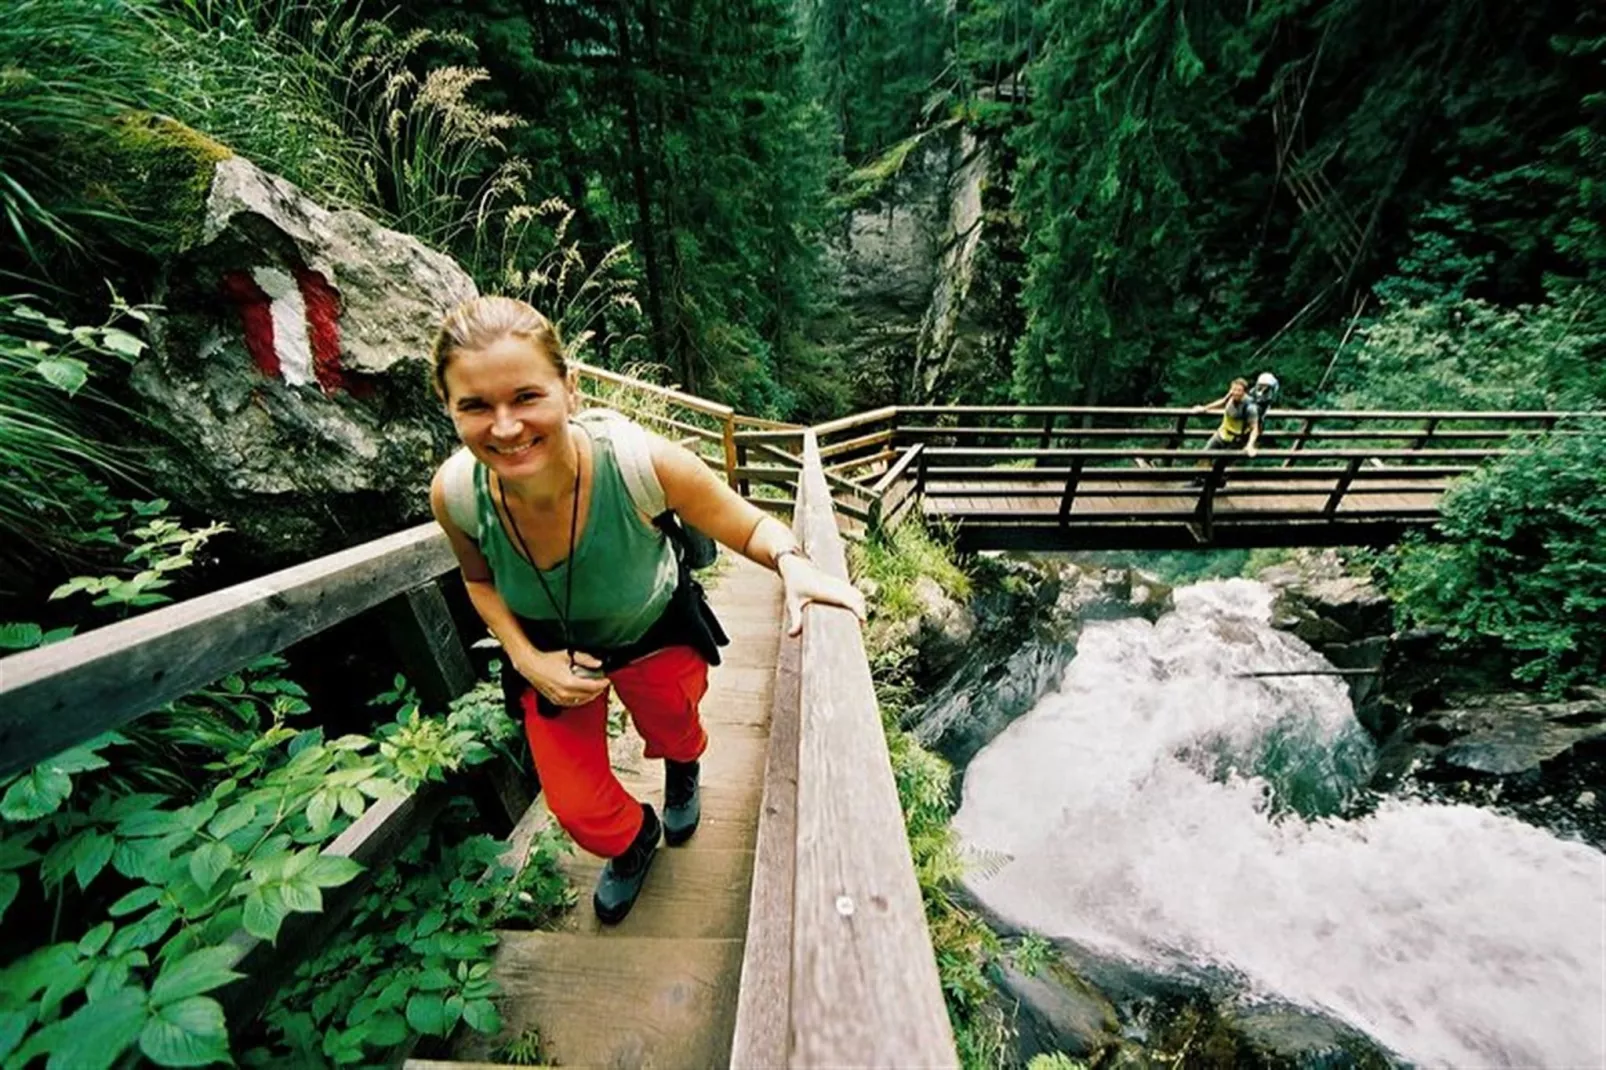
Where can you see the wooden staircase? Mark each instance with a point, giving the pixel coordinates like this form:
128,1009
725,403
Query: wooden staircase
660,988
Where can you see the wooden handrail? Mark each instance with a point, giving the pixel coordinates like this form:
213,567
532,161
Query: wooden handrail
859,419
68,692
896,472
690,430
690,401
1279,412
937,453
863,987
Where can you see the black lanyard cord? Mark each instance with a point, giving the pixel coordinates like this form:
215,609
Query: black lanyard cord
568,579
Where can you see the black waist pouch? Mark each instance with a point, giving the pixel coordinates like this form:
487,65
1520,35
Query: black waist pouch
688,620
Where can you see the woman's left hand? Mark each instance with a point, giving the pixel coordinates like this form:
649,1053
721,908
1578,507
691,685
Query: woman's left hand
806,582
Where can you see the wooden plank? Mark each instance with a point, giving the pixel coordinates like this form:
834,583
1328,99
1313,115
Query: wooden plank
864,981
692,892
940,454
690,401
65,693
854,445
681,996
1340,414
764,1004
848,423
911,457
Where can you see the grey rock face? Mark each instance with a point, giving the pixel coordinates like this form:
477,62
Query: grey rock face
290,368
919,280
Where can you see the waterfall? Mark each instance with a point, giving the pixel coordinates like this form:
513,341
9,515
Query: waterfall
1160,809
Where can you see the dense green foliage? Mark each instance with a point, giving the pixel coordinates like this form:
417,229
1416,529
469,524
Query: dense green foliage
687,131
1519,569
1202,180
134,877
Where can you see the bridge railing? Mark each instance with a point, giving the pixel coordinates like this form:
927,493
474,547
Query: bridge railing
707,428
838,968
1048,426
876,476
69,692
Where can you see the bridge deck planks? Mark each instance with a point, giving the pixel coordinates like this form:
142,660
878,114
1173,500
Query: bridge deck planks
660,989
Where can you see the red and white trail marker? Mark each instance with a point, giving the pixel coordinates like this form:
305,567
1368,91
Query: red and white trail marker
291,321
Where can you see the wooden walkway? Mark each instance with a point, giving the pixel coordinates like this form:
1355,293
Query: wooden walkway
659,989
1078,478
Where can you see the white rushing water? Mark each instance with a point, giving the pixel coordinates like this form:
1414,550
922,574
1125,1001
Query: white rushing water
1138,807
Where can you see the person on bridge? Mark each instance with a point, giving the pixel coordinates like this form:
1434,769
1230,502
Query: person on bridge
581,587
1240,420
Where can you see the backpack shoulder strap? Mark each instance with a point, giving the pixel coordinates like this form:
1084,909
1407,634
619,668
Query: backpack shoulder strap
633,452
458,483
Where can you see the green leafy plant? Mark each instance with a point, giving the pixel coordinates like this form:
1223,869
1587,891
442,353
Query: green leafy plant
144,891
895,563
160,545
1055,1061
415,955
1519,562
526,1049
1031,954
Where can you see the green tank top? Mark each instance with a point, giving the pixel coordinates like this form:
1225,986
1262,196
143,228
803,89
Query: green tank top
624,569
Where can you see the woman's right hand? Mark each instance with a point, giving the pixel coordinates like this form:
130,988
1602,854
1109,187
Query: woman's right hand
550,674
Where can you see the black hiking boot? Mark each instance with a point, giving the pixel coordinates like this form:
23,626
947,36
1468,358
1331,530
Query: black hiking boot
623,876
683,806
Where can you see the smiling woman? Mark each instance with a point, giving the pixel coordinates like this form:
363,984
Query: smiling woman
581,587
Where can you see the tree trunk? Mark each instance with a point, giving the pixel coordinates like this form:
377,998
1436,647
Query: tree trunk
646,239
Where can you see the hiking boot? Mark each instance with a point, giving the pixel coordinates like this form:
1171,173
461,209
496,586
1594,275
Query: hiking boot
623,876
683,806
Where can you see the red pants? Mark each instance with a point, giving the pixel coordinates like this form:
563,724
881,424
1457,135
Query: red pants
661,692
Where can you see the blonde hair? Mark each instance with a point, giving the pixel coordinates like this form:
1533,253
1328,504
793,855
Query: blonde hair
483,321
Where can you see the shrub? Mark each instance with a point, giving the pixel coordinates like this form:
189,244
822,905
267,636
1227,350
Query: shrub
1521,561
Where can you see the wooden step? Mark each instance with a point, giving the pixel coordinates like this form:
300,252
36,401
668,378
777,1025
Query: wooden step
690,892
630,1004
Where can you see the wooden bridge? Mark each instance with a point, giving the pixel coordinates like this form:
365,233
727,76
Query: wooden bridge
1069,478
789,931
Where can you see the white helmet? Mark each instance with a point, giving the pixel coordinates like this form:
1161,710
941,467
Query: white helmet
1267,379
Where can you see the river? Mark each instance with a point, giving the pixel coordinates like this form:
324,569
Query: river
1158,809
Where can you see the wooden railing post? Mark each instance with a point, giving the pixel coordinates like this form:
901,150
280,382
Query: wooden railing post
1178,434
1427,434
1299,442
1047,439
421,630
1069,496
732,462
1206,511
1342,488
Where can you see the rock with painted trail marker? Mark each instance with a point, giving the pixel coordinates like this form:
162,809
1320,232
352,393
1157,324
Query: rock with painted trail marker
290,367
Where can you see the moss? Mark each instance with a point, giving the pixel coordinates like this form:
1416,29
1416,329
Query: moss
868,182
154,175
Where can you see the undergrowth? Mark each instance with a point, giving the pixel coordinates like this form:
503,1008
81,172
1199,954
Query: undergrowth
965,947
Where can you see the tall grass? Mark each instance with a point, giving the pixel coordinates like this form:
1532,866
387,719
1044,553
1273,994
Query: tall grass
52,442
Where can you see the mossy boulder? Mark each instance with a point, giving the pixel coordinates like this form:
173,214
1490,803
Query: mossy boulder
152,176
